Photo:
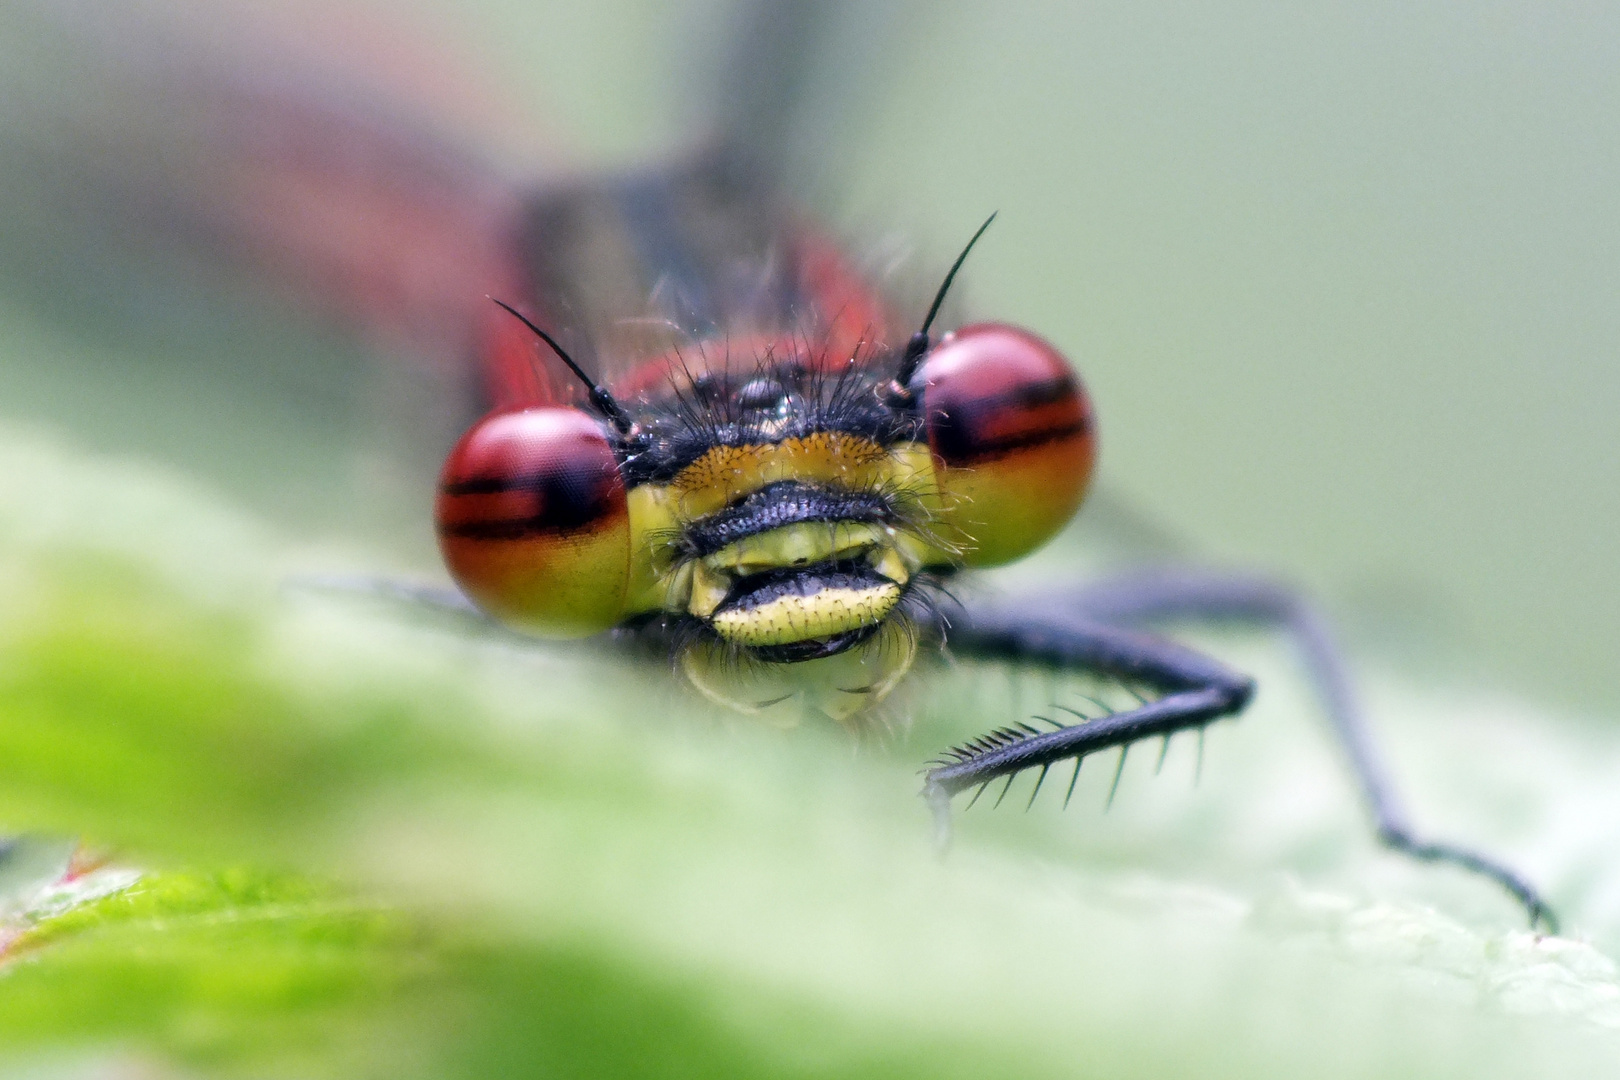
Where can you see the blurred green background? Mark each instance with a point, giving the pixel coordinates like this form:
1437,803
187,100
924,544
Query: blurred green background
1339,280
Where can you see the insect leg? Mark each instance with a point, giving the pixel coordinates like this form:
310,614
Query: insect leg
1197,690
1225,597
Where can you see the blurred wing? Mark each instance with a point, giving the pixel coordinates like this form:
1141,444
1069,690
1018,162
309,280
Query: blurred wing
346,164
705,261
348,176
692,268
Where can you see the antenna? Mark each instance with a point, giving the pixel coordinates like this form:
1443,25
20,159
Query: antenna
599,397
918,345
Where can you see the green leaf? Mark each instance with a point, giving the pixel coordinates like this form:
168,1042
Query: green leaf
464,856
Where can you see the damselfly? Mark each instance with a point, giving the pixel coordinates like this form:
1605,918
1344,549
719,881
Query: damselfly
710,429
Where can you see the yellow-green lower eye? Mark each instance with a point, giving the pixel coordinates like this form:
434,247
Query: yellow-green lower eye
533,521
1011,432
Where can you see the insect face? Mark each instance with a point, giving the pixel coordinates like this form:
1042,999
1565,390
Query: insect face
785,520
782,518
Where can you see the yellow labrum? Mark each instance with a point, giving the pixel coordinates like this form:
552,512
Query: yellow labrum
804,544
792,617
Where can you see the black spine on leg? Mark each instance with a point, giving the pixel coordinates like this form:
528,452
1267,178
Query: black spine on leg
1196,689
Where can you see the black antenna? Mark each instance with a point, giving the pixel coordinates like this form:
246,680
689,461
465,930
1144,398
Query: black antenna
599,397
918,345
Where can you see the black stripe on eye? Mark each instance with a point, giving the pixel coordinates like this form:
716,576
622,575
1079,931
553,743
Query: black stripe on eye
561,500
496,485
966,427
958,442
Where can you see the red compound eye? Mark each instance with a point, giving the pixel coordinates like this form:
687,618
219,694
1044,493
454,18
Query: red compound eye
533,522
1011,433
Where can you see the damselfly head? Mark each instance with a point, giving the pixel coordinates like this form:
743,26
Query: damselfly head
781,511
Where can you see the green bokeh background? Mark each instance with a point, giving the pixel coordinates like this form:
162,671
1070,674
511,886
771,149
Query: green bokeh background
1341,280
